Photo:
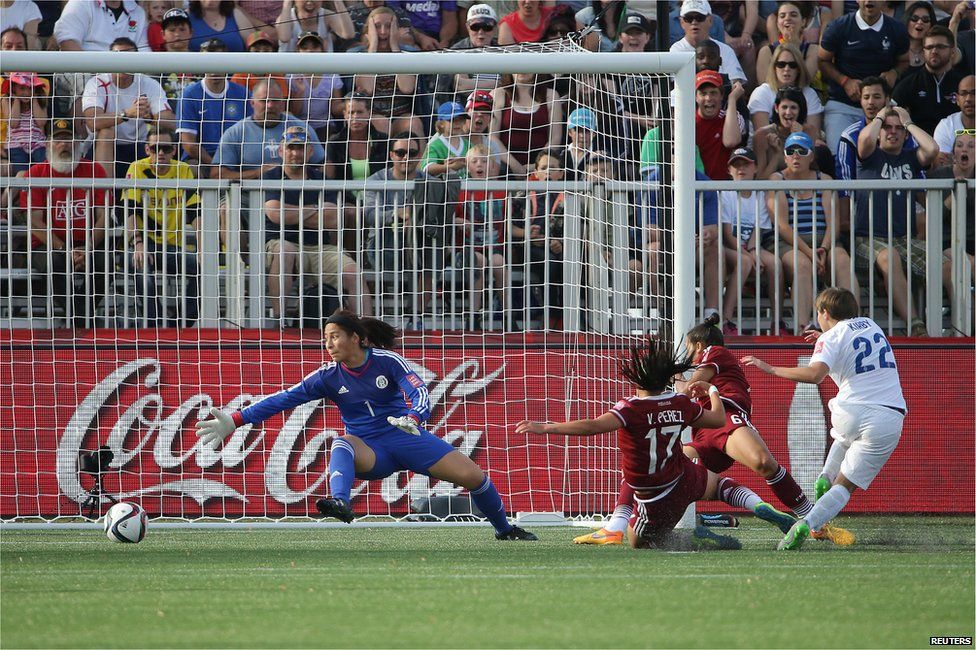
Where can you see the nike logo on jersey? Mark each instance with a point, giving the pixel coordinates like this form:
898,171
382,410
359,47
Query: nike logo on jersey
850,43
343,390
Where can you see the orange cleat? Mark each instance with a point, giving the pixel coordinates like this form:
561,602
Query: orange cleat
600,537
835,534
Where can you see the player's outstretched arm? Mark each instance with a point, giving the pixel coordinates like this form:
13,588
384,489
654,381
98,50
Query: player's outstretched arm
812,374
603,424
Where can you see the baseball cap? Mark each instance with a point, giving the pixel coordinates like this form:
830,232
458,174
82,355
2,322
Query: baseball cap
61,127
175,16
213,45
695,7
479,100
259,36
25,79
582,118
295,135
742,153
450,110
637,21
799,138
304,36
481,14
706,77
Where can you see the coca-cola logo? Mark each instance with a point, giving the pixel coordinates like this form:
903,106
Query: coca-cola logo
146,423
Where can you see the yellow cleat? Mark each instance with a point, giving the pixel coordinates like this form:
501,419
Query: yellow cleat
835,534
600,537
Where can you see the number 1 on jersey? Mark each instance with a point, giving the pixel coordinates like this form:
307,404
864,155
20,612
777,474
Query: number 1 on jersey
369,407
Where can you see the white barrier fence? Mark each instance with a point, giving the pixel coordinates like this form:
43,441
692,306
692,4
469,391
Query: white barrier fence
605,275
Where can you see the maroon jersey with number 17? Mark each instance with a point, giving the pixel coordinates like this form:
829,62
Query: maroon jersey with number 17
650,438
729,378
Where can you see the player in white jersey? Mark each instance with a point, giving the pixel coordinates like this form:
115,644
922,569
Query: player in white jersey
867,414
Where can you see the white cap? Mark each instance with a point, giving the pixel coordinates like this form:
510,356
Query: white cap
481,12
695,7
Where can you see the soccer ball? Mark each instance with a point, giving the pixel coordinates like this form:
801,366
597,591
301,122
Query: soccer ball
126,523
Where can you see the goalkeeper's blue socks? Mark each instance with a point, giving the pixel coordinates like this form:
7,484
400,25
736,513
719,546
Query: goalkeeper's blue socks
342,469
489,502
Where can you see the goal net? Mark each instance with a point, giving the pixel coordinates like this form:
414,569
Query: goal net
507,209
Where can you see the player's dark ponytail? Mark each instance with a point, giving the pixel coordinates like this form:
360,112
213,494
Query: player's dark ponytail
378,333
707,332
371,331
652,367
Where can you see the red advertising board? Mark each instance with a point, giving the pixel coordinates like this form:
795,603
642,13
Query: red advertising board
141,393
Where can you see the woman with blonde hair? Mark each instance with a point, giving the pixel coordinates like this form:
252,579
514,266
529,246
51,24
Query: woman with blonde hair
786,69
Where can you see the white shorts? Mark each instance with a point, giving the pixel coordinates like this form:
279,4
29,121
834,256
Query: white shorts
870,434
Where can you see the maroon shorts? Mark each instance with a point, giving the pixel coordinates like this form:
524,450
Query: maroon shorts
654,520
710,443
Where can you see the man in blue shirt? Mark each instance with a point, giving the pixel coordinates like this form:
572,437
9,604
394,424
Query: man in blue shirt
206,109
858,45
251,147
881,149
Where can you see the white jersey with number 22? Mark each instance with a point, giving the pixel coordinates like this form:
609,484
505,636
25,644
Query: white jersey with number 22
861,363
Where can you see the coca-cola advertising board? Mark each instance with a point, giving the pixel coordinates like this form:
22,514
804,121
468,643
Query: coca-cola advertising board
140,393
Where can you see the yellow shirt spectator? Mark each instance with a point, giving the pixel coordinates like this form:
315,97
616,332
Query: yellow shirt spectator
166,208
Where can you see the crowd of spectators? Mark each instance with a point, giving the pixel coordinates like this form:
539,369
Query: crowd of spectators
785,90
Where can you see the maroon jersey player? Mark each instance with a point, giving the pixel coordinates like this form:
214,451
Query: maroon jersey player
735,439
663,480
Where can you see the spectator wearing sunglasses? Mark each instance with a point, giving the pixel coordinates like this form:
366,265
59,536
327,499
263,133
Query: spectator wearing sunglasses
855,46
805,228
158,220
786,69
881,150
482,24
960,122
919,18
696,21
789,116
794,23
929,91
391,207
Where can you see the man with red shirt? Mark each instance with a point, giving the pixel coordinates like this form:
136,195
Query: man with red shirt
68,225
717,132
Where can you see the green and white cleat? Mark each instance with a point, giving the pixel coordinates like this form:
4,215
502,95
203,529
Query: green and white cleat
794,538
820,488
779,519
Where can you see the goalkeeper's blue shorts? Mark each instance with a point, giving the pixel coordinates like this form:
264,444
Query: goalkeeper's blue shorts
396,451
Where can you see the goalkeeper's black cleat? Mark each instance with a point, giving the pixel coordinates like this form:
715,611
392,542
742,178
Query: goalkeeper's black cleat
517,534
336,508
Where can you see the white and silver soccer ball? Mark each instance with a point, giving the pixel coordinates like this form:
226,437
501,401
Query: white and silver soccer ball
126,523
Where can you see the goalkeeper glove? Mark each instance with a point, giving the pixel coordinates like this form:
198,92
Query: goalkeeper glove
218,427
405,423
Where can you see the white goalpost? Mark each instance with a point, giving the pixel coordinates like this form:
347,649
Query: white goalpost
516,288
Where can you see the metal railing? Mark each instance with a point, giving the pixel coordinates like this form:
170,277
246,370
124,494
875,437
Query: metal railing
606,276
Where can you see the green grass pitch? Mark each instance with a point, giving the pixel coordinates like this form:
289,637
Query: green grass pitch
907,579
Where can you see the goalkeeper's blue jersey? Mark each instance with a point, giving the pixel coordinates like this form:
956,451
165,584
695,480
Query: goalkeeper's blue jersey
366,395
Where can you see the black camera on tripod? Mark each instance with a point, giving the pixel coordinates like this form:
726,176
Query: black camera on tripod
95,463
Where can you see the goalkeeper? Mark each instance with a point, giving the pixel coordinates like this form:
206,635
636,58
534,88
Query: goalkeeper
368,382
